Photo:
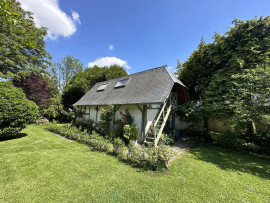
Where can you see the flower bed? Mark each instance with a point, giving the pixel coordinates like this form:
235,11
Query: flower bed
153,158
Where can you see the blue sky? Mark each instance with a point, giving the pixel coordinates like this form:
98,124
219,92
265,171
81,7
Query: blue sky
142,34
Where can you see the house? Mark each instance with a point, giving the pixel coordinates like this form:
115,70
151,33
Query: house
151,97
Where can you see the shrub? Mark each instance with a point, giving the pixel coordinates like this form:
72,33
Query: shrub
118,128
137,156
42,121
84,124
131,132
54,109
106,118
16,111
126,117
149,158
225,139
191,113
118,144
258,142
167,139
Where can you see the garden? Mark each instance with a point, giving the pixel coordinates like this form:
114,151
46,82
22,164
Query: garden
51,153
119,141
40,166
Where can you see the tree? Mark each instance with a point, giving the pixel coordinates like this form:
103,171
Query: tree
16,111
35,88
54,109
63,71
22,44
231,76
83,81
197,71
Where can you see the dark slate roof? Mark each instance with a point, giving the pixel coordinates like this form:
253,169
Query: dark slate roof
150,86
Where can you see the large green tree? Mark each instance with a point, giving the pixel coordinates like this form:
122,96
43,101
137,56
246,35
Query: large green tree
22,44
82,81
64,70
230,76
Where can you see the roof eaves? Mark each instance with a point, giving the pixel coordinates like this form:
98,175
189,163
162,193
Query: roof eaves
173,77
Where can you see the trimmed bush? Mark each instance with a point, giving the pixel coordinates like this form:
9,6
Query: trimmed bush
16,111
148,158
258,142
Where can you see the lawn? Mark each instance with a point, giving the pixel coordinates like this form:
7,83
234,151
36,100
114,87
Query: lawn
40,166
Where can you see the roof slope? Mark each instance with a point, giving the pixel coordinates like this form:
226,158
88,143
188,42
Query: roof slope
150,86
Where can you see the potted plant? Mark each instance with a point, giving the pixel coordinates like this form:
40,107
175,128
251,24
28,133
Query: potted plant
131,133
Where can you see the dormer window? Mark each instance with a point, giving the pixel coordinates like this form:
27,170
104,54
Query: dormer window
102,87
121,83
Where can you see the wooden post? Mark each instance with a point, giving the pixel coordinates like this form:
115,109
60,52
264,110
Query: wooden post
114,110
173,120
144,119
97,107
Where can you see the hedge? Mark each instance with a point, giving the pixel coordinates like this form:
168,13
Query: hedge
153,158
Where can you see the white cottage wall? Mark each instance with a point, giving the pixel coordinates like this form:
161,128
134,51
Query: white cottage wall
135,113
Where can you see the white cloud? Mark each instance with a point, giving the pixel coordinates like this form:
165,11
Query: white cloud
111,47
76,17
108,61
47,13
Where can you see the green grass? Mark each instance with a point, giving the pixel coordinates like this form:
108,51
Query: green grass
57,170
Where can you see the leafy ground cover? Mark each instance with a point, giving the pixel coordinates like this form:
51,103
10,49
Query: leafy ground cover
40,166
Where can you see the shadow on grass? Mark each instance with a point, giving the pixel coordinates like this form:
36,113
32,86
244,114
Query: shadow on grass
20,135
228,159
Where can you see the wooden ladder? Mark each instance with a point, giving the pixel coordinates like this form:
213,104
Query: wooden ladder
157,126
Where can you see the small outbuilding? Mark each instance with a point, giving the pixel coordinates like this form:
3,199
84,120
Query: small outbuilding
151,97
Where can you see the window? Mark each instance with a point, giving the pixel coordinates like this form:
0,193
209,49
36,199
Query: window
102,87
121,83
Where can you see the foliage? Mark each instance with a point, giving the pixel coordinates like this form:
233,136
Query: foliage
81,82
228,139
167,139
42,121
119,148
244,97
64,70
84,124
230,77
258,142
35,88
131,132
126,117
119,128
54,109
16,111
149,158
21,42
106,116
191,113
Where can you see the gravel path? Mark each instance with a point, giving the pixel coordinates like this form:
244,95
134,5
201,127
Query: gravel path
182,145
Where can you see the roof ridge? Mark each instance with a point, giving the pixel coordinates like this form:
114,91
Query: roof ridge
164,66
